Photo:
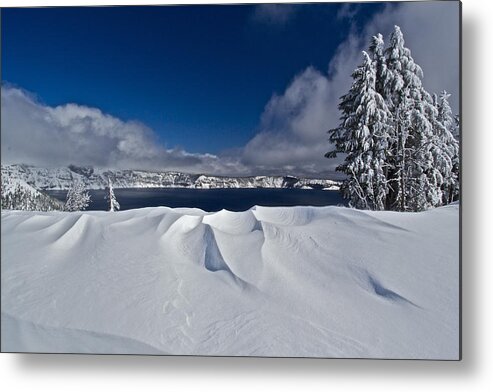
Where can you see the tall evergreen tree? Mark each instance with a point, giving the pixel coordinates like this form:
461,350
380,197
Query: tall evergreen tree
425,178
387,106
376,51
113,203
409,180
78,197
363,136
448,146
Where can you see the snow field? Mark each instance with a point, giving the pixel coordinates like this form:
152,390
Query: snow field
270,281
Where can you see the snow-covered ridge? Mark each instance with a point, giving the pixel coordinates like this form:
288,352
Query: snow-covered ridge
17,194
270,281
93,178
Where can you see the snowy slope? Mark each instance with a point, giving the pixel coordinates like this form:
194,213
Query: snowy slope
94,178
18,195
295,281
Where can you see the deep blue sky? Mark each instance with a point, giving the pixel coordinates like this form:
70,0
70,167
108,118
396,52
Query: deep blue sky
199,76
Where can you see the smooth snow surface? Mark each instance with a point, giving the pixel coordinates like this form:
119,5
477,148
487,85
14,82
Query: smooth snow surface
290,281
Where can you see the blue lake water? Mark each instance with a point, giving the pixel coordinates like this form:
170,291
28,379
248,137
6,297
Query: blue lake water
211,199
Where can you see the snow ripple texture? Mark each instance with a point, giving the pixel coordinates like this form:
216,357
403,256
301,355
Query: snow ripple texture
270,281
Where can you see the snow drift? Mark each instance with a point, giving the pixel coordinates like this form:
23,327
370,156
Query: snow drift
291,281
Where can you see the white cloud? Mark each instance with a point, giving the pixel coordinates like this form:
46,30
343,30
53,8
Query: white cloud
292,133
38,134
292,137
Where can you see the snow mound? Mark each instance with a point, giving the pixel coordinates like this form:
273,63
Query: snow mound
285,216
233,222
294,281
74,231
35,338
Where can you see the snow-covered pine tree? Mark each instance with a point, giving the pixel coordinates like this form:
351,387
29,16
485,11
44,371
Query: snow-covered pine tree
376,51
449,147
363,135
420,165
78,197
113,203
427,156
411,182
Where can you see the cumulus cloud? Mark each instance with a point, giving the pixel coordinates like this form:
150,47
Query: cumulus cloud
38,134
292,137
292,134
